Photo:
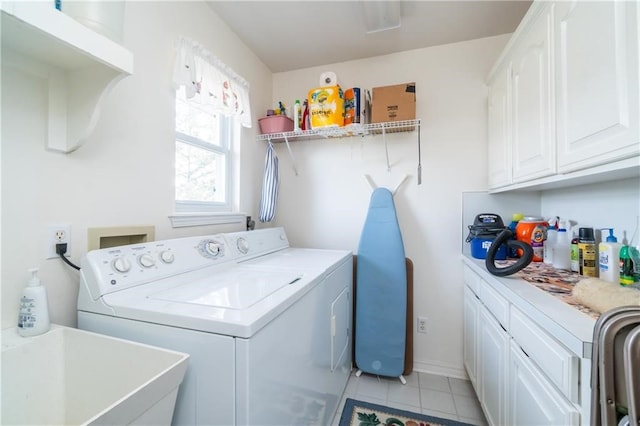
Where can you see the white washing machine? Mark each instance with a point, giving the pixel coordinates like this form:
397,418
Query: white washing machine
267,326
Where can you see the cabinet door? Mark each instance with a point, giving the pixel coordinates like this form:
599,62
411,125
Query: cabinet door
470,334
493,365
499,111
597,82
533,400
533,131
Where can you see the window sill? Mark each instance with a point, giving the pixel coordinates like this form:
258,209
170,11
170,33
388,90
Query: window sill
182,220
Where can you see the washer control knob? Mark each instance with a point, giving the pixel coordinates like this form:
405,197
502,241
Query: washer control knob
167,256
243,245
146,260
121,264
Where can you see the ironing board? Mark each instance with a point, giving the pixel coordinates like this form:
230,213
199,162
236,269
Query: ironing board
381,300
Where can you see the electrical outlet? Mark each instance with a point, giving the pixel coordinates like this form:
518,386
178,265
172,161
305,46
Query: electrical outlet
422,325
57,234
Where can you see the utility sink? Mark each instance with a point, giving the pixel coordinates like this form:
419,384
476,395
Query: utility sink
71,377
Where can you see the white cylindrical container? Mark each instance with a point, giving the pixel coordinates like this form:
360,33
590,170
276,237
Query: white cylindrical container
562,250
609,258
104,17
34,309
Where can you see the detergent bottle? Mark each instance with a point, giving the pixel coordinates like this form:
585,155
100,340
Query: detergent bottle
532,230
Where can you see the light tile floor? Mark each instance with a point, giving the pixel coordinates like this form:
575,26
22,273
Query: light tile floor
424,393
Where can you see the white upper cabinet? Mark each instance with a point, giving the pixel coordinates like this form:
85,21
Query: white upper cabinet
597,71
532,82
80,66
572,97
499,110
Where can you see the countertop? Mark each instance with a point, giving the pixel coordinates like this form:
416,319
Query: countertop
544,293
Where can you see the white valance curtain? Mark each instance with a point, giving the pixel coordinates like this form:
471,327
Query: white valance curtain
212,82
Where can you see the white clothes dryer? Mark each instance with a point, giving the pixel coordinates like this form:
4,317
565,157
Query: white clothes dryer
267,326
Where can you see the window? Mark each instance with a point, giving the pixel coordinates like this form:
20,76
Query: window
212,103
203,156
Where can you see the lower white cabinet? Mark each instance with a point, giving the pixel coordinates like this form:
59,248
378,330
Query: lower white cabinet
533,400
515,387
470,334
493,357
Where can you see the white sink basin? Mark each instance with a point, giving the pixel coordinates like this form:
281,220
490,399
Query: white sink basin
69,376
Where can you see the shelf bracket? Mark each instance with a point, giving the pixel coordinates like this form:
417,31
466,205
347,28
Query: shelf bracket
386,148
293,160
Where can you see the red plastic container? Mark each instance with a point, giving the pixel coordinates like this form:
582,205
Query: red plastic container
275,124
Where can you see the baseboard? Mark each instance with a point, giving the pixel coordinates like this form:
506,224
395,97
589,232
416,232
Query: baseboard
440,369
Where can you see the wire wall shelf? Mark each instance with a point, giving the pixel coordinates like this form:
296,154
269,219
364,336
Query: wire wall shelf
343,132
350,130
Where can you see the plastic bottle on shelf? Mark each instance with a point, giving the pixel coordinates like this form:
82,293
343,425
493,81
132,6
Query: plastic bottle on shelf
609,258
33,318
306,123
562,248
297,116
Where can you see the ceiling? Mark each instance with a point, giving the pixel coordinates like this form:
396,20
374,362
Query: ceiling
289,35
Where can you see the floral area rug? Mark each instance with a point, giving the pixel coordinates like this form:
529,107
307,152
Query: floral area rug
359,413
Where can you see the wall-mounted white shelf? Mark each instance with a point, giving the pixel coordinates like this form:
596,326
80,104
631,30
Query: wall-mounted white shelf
80,65
345,132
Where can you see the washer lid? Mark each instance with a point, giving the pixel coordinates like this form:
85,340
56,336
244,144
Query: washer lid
238,289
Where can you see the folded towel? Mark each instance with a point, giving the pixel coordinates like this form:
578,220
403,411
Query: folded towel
602,296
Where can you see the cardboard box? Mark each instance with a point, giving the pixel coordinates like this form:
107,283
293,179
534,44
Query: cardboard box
394,103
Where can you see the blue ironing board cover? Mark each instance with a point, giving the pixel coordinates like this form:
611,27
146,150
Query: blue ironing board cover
381,297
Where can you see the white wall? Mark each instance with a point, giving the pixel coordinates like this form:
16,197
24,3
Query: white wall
123,174
604,205
325,205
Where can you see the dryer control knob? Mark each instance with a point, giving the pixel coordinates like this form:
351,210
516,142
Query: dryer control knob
243,245
211,248
146,260
121,264
167,257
